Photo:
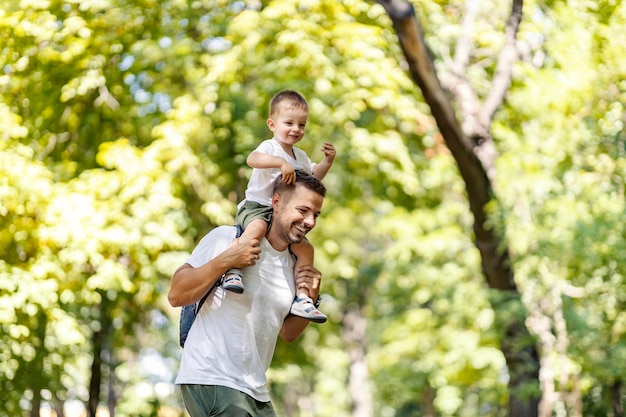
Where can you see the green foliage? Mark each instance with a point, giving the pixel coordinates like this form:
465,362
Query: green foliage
124,128
565,189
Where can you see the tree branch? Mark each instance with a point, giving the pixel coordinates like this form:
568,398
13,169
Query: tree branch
424,74
504,67
462,52
472,150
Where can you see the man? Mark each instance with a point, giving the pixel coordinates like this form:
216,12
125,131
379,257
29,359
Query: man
231,343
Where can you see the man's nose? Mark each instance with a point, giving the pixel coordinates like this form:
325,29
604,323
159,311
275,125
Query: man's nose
309,221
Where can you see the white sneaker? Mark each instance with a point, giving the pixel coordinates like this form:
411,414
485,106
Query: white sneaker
304,307
232,281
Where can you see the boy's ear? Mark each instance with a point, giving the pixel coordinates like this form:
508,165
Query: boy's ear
270,124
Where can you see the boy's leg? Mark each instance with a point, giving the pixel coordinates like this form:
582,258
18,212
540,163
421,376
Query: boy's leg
233,279
303,305
304,256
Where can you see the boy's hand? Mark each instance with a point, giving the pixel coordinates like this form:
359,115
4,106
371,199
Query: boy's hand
329,151
289,173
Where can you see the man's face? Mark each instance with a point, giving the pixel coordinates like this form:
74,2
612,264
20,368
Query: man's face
296,216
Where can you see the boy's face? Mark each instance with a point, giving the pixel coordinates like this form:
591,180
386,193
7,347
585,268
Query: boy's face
288,124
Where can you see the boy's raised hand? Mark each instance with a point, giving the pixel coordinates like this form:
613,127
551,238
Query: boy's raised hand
329,151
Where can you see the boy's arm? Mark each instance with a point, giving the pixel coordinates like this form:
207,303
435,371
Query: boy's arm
189,284
262,160
323,167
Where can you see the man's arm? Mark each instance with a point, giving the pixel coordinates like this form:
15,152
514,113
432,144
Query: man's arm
189,284
293,327
306,277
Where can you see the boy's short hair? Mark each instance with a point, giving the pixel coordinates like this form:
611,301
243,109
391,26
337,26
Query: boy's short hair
288,97
302,177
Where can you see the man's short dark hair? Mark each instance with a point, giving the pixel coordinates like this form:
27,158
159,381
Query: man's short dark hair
302,177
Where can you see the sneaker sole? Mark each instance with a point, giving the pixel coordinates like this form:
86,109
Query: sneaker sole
235,289
314,319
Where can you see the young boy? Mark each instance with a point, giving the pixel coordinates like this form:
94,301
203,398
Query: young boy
287,120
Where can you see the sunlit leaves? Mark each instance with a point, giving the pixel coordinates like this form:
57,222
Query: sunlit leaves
565,193
123,135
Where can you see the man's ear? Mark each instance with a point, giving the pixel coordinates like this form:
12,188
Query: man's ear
276,201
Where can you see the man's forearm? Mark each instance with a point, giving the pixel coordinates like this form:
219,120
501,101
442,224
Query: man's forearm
293,327
189,284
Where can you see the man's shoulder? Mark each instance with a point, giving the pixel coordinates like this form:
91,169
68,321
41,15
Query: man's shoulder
211,244
222,232
218,235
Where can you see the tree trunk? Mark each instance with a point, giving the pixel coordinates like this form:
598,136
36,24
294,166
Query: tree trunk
616,399
59,407
473,149
428,402
35,404
36,365
98,341
354,334
112,400
96,373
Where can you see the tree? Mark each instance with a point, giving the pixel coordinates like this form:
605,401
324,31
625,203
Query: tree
124,132
468,136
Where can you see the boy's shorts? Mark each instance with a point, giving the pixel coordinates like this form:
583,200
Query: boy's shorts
250,211
213,400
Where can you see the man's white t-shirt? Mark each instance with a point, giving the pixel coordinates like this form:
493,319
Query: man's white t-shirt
231,343
261,182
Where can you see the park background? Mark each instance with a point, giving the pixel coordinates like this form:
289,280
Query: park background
124,127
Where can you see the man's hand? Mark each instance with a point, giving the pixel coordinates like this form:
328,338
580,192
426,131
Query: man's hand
308,278
242,255
189,284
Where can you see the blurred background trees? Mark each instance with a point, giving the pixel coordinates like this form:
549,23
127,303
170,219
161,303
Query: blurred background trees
124,128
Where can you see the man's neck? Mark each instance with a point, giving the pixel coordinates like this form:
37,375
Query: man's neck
276,241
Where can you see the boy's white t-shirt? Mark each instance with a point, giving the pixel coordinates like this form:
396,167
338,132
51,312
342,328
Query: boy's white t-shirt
232,340
261,182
